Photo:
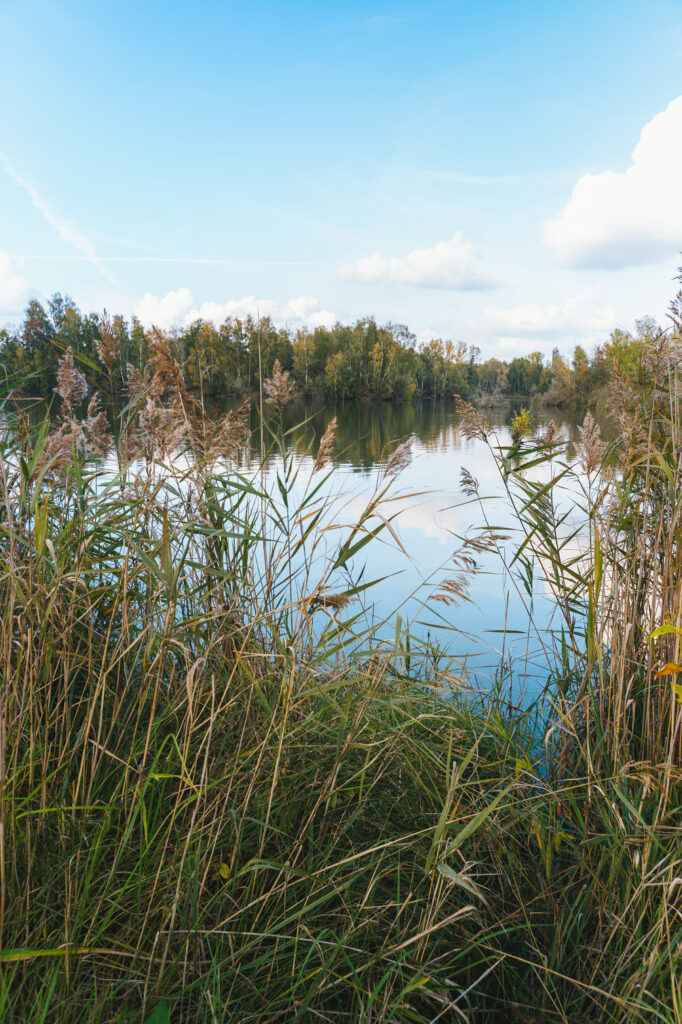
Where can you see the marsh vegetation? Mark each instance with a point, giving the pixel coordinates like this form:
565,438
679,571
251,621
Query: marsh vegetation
223,799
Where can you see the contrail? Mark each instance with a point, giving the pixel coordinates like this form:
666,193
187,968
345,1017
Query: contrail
64,228
209,260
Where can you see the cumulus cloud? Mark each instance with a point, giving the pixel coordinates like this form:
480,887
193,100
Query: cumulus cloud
177,308
301,311
620,219
305,310
577,320
452,264
164,312
549,321
13,286
427,335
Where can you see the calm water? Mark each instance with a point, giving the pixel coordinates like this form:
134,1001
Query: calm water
433,516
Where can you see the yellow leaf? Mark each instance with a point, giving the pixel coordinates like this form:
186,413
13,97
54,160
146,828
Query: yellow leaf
669,669
224,870
415,984
665,630
557,840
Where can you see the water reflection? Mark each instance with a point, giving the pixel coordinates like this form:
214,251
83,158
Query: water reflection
368,431
432,517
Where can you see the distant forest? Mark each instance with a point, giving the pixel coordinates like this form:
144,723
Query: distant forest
361,361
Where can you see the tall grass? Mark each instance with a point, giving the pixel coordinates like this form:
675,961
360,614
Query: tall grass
221,803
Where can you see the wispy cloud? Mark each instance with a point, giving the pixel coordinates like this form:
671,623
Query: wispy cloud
202,260
383,21
452,177
66,229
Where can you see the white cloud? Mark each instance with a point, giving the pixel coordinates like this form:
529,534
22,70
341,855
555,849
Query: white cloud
13,286
66,230
451,264
549,321
427,335
620,219
518,329
305,310
164,312
177,308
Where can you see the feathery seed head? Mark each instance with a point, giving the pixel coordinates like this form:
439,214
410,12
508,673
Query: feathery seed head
72,386
400,458
591,448
551,435
324,452
468,483
280,388
107,343
471,424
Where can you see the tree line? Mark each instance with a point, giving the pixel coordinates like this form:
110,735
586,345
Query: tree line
364,360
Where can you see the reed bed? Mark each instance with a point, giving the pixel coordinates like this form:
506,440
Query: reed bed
221,802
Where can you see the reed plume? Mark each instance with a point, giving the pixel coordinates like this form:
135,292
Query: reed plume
591,448
72,386
279,389
221,438
400,458
551,435
95,428
324,452
169,417
468,483
472,424
324,599
106,344
136,384
168,378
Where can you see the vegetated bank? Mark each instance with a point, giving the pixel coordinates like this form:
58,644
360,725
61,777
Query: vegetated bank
221,803
359,361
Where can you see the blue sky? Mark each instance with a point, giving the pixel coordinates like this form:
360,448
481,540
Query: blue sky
466,169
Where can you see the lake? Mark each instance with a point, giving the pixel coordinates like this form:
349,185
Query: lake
483,636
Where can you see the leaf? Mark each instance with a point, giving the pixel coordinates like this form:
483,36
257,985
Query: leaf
160,1014
15,955
224,871
472,825
665,629
670,668
447,806
415,984
460,880
557,840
